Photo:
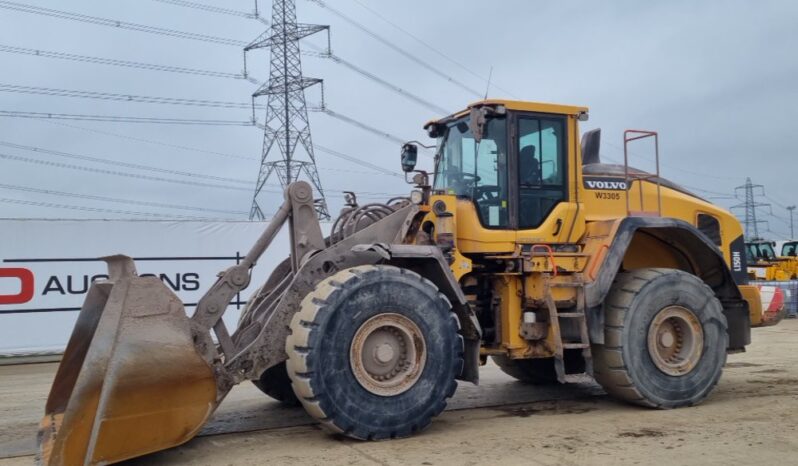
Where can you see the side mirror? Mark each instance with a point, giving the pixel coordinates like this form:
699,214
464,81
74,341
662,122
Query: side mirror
409,157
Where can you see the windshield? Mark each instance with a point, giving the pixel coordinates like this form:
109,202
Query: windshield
474,170
761,251
789,249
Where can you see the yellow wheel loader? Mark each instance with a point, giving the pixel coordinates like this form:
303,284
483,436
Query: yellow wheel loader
764,264
523,247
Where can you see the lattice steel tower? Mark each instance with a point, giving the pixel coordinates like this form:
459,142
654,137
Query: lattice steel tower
287,125
750,205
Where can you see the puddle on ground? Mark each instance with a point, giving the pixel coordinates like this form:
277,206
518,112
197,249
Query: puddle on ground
642,433
741,364
548,408
781,381
770,371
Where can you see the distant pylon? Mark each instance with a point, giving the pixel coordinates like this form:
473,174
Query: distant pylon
750,205
287,125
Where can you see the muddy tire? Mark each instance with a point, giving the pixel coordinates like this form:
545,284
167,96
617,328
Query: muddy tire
539,371
665,339
275,382
374,352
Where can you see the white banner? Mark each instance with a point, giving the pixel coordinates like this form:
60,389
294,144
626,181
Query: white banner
46,267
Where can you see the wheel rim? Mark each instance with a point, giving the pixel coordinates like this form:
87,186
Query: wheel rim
675,340
388,354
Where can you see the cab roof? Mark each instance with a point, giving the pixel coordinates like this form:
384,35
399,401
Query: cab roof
541,107
520,105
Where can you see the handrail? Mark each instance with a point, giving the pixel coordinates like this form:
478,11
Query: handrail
630,135
551,255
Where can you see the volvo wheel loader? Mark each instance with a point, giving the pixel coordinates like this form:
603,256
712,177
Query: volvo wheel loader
521,247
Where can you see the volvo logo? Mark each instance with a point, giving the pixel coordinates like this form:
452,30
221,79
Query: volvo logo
607,184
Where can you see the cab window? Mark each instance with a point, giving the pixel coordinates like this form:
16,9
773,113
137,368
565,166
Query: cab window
541,163
710,226
477,171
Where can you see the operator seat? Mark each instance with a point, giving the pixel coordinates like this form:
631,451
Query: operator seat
529,167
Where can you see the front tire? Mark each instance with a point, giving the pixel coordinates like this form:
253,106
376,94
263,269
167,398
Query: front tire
374,352
665,339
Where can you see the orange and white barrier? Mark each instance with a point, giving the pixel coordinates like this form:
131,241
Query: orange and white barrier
773,309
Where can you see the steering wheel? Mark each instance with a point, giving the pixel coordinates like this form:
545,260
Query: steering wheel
463,182
487,195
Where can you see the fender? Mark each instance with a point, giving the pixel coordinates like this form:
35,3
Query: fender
697,254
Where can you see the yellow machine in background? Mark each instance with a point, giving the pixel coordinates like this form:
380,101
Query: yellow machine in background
765,264
775,276
524,247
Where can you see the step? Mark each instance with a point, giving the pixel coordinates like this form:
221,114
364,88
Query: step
577,378
567,284
575,345
570,315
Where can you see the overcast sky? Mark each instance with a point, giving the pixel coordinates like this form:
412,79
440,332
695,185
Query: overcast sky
717,79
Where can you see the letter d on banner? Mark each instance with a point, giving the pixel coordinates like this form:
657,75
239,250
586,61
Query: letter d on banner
26,288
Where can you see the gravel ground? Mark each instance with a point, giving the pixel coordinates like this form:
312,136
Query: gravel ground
752,417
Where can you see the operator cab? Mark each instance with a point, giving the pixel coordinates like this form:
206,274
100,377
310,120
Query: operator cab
511,162
760,251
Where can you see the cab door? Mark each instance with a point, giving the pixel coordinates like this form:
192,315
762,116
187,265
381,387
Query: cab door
546,167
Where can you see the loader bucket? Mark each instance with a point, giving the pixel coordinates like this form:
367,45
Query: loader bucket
131,381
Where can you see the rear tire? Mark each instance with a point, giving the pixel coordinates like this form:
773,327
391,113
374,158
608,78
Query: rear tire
374,352
275,382
665,339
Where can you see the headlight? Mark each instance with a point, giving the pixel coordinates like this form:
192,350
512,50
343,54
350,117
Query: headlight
416,197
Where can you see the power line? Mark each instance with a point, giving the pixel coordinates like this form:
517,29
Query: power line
48,91
177,101
378,171
119,173
206,38
122,119
443,55
118,200
358,161
25,8
134,166
672,166
392,87
120,63
213,9
363,126
369,128
780,204
715,193
187,182
150,141
96,209
164,180
398,49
